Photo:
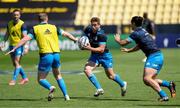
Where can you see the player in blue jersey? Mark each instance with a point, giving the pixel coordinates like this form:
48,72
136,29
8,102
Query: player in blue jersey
154,56
100,55
16,30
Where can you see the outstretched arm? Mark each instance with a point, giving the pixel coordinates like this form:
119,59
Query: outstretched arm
136,48
70,36
119,41
22,42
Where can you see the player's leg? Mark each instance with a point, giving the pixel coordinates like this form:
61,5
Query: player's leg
115,77
152,67
43,68
169,84
148,80
15,58
61,83
58,76
89,67
107,63
22,72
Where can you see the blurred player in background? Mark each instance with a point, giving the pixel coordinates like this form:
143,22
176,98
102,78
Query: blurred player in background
16,30
149,26
100,55
46,36
154,56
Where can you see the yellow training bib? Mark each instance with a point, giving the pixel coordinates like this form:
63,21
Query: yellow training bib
15,34
47,38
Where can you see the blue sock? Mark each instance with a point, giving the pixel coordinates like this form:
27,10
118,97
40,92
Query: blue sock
118,80
62,86
45,84
165,83
94,81
162,94
16,73
22,73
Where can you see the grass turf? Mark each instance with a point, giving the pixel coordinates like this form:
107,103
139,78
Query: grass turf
129,66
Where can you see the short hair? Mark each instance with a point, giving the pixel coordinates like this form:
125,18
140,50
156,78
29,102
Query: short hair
138,20
42,16
95,19
17,10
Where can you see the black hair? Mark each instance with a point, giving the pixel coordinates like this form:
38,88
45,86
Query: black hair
137,20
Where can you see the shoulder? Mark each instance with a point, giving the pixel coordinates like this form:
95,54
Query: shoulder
88,28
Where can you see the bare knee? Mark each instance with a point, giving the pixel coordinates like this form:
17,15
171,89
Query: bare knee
87,70
146,80
111,77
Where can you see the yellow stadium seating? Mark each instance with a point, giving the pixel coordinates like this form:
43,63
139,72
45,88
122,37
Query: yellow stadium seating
120,11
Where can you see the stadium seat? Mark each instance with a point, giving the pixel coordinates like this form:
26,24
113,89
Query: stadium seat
161,2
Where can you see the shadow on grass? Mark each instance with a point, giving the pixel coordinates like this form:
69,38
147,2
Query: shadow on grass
21,99
103,98
161,105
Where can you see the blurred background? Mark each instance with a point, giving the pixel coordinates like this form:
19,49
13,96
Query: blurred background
115,15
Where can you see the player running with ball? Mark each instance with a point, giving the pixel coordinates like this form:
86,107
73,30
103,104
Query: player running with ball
100,55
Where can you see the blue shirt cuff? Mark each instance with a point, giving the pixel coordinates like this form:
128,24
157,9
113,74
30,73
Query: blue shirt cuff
31,36
130,39
102,43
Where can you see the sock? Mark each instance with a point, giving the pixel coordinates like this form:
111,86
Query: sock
16,73
162,93
45,84
118,80
62,86
165,83
22,73
94,81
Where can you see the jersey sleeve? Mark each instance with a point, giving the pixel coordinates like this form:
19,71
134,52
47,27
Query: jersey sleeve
132,37
59,31
87,30
31,34
24,29
102,39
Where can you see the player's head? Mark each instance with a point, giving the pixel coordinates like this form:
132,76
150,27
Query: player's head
95,23
145,15
136,21
16,14
43,17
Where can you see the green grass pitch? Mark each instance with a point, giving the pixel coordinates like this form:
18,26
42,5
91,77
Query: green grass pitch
129,66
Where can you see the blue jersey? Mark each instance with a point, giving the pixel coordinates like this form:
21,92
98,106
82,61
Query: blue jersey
97,38
144,40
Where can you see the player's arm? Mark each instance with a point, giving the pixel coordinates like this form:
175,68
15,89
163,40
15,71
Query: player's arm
70,36
66,34
24,33
99,49
102,45
120,41
136,48
23,41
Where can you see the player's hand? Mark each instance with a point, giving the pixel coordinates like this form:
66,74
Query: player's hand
117,37
124,50
87,47
76,40
10,52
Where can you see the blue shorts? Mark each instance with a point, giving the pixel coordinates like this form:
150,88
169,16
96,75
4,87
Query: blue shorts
155,61
17,52
48,61
104,59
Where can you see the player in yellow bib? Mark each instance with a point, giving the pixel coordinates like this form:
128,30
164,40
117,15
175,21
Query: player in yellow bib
46,36
16,30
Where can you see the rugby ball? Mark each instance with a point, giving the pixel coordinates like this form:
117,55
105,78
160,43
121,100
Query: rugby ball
83,41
